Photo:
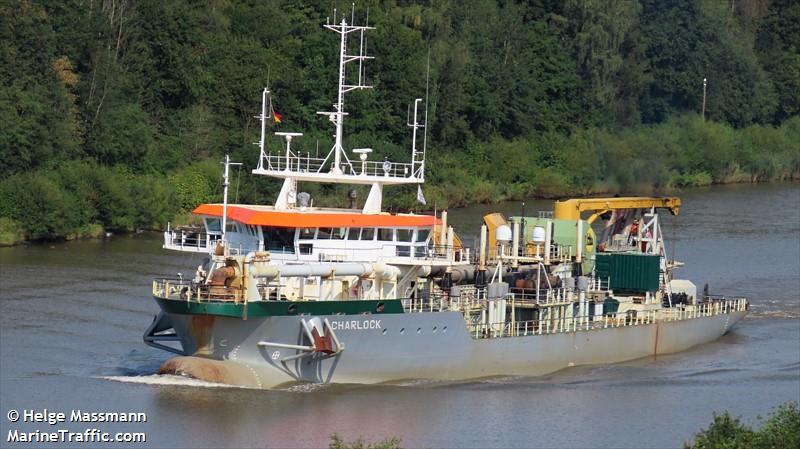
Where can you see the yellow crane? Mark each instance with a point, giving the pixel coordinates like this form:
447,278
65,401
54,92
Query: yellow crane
571,209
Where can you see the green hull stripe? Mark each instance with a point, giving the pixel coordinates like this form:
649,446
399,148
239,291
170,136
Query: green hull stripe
280,308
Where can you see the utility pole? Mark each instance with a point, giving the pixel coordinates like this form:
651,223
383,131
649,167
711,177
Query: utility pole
703,111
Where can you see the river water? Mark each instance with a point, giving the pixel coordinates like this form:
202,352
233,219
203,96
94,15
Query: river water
72,316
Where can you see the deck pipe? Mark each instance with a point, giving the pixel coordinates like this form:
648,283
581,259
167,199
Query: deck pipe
515,243
379,269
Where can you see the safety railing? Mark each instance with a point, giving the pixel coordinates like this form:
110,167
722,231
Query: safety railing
480,329
545,295
531,251
718,306
559,325
187,240
299,163
184,290
433,303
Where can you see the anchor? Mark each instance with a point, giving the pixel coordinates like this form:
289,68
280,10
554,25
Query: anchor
321,335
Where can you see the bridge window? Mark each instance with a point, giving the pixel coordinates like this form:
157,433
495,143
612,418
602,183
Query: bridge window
324,233
368,234
385,234
352,234
422,235
404,235
213,225
338,233
307,233
279,240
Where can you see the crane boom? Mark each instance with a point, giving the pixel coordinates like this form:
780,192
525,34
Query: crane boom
571,209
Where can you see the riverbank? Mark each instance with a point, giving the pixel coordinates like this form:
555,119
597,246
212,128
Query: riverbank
12,233
80,198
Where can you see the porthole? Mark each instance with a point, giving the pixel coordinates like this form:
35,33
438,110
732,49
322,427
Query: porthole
444,329
402,330
384,331
380,307
292,308
434,329
419,330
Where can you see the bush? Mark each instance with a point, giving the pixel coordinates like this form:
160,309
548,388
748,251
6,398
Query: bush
79,199
11,232
780,430
195,184
691,179
338,443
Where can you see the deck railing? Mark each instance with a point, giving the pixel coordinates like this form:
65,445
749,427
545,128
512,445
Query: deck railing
468,302
185,290
300,163
558,253
192,241
587,323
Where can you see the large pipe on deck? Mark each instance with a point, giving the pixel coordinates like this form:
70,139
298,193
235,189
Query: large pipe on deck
462,273
379,269
221,275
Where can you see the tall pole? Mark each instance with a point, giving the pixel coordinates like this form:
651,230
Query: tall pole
340,101
703,111
264,97
225,198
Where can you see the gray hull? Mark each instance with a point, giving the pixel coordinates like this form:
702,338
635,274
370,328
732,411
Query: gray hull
380,348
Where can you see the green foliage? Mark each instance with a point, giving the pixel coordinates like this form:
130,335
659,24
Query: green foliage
780,430
78,199
195,184
115,115
687,41
11,232
36,109
777,45
338,443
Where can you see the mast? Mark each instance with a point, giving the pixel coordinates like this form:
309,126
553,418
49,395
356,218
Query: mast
336,166
337,116
225,185
263,117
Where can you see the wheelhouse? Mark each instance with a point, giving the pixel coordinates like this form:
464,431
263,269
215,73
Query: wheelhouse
323,235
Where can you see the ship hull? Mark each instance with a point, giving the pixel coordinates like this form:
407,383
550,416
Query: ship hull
431,345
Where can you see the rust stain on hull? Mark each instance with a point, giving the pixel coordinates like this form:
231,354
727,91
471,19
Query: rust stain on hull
200,328
225,372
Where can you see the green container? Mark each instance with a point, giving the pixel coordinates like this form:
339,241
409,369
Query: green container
629,272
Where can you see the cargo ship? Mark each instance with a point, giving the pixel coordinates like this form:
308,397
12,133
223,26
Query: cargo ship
294,292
